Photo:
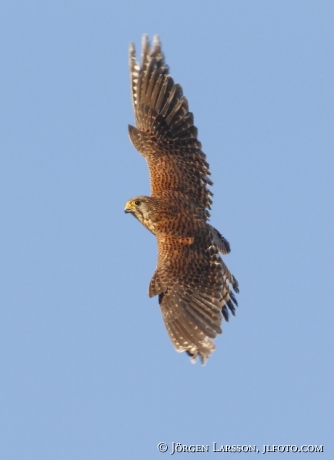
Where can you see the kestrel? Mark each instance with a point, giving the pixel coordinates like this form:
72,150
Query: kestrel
193,284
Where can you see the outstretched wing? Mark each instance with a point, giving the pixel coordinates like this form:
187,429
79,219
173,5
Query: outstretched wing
194,288
165,133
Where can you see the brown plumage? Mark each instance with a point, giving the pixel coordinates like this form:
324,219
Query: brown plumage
191,280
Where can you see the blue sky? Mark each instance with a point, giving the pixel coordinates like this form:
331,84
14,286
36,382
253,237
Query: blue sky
87,368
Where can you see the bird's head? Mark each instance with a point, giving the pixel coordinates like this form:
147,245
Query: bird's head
139,207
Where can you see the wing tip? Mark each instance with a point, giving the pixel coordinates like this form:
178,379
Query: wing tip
156,41
203,352
132,48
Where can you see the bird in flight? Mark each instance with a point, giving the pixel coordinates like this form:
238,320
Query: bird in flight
193,284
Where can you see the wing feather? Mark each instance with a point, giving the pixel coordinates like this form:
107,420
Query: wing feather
168,136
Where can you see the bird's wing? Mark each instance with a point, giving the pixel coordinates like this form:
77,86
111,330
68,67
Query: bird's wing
195,292
165,133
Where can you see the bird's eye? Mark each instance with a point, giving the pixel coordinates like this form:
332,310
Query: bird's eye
137,202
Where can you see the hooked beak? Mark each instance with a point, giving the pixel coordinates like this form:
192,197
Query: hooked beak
127,208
